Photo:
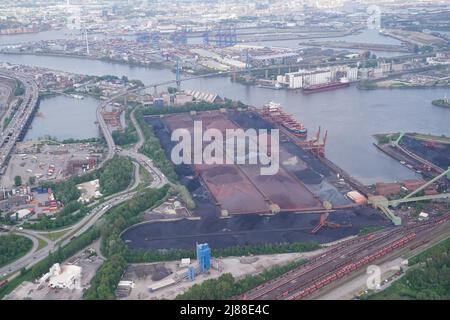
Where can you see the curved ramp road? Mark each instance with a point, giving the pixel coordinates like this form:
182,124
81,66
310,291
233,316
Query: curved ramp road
159,180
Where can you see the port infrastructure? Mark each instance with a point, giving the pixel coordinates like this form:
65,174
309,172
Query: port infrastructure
248,68
383,203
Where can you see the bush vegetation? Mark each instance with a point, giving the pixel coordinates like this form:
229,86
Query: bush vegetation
12,247
61,254
152,148
140,256
427,279
105,281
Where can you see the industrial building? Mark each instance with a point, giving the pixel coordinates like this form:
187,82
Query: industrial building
304,78
65,277
204,265
203,257
22,214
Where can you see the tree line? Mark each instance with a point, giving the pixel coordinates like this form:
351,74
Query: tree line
152,148
428,277
117,219
142,255
129,135
43,266
191,106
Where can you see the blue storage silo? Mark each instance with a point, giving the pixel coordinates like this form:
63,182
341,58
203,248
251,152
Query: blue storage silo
191,273
158,102
203,257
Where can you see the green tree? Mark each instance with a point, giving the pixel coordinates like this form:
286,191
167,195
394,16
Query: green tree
18,181
32,180
13,247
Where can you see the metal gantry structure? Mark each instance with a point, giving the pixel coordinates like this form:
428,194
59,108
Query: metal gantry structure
222,36
409,198
383,204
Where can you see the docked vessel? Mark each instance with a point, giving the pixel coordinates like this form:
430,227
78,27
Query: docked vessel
274,113
343,83
444,102
276,86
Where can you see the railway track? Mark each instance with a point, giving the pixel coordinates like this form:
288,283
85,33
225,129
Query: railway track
340,261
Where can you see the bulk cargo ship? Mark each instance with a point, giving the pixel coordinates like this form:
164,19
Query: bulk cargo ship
273,112
343,83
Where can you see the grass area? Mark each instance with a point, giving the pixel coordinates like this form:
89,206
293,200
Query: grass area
428,137
53,236
386,138
42,244
13,247
367,230
146,177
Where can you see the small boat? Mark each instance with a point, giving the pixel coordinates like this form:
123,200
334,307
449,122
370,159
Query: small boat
276,86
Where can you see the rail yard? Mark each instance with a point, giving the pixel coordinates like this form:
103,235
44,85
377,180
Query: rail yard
343,259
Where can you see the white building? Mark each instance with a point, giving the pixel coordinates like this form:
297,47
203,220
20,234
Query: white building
305,78
65,277
386,67
22,214
338,72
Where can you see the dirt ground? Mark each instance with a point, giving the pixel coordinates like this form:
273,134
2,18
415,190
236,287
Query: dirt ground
237,266
35,291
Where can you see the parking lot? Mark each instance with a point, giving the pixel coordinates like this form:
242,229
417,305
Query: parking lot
48,161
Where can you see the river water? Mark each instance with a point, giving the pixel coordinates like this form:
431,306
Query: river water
64,117
350,115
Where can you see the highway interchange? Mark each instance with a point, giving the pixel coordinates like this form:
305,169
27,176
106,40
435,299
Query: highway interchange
98,209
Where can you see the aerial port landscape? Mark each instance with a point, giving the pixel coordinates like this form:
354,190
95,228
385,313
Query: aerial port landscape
208,150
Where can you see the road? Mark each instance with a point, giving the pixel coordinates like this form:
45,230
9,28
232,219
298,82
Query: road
159,180
96,213
26,259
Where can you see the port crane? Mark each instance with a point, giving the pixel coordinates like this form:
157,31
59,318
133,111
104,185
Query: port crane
324,222
315,146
